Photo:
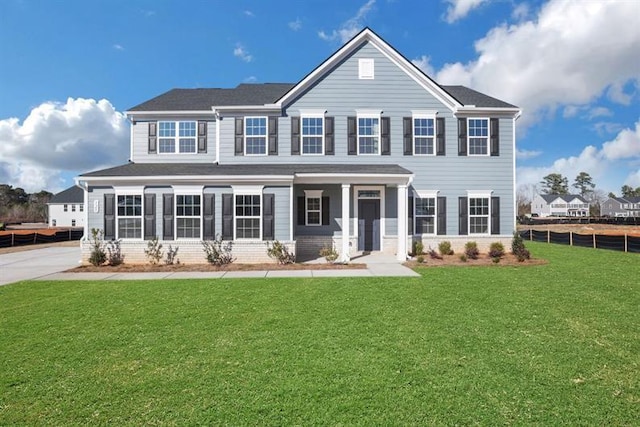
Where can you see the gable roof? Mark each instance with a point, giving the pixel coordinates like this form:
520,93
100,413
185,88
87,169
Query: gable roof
70,195
566,197
468,96
627,199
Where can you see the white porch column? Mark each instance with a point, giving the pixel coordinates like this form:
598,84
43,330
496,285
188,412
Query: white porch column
402,223
345,256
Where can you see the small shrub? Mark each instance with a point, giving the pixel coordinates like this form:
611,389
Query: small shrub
463,258
98,255
218,252
279,251
114,253
434,254
495,259
328,253
418,247
420,259
471,250
154,251
444,248
518,249
172,256
496,250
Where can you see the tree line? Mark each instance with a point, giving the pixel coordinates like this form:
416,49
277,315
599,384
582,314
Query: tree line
16,205
556,183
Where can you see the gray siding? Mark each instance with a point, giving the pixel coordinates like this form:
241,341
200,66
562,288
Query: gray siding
140,140
281,212
96,219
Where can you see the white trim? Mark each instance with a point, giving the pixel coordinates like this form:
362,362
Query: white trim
369,113
414,136
383,213
362,178
217,142
346,223
266,135
366,68
488,137
247,190
514,215
176,138
423,194
402,232
284,179
302,135
126,190
312,112
479,194
188,190
312,194
424,113
491,111
250,192
290,212
361,114
132,114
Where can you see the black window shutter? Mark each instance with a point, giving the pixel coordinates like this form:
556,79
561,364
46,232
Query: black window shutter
495,137
410,216
352,136
495,215
109,216
267,216
329,149
385,135
273,136
208,216
239,149
462,137
326,217
227,216
407,132
462,216
442,215
295,136
152,137
202,137
301,211
440,140
167,216
149,216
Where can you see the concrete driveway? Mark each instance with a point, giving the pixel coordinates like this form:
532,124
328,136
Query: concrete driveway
36,263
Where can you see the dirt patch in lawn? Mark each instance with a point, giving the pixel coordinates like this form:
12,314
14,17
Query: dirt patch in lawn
146,268
483,260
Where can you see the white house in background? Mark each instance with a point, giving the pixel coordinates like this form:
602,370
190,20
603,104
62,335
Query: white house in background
66,209
621,206
560,205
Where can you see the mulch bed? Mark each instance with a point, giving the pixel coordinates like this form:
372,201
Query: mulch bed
483,260
146,268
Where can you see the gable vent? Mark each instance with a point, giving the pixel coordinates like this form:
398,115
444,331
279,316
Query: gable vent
366,68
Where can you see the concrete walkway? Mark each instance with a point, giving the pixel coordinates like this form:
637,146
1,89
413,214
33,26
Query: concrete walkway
49,264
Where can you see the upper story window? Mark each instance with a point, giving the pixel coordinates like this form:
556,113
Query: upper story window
66,208
255,131
312,135
73,208
81,208
368,134
478,137
177,137
129,217
423,136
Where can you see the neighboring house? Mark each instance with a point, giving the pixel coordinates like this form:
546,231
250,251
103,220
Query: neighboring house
365,153
559,205
66,209
621,206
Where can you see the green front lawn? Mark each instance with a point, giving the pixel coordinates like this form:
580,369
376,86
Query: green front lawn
547,345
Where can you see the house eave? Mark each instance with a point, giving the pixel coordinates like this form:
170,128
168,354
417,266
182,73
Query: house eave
173,179
341,178
468,111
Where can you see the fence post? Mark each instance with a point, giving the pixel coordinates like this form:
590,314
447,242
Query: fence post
35,237
594,241
69,234
626,245
531,234
13,241
548,236
571,238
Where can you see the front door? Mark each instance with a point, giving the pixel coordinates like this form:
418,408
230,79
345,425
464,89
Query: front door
369,225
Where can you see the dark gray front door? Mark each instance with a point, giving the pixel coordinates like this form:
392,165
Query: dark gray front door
369,225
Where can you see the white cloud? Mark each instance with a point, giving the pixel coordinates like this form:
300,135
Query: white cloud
616,94
458,9
557,59
520,12
527,154
80,135
248,13
250,79
599,163
351,27
599,112
295,25
603,128
633,179
242,53
424,64
118,46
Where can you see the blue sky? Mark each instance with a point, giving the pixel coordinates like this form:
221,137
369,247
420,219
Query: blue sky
71,68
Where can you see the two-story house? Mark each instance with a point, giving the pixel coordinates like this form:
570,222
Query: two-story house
621,206
66,208
545,205
365,153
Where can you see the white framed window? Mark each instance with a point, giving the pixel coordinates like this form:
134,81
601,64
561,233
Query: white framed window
188,216
368,134
73,208
177,137
424,211
129,216
73,222
248,218
313,207
312,134
478,137
255,136
366,68
424,135
479,214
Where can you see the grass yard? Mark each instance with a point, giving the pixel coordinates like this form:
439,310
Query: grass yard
547,345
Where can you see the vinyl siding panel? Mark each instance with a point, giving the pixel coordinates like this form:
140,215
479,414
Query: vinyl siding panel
141,153
281,211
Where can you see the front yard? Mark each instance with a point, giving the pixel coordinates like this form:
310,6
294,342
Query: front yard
551,344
